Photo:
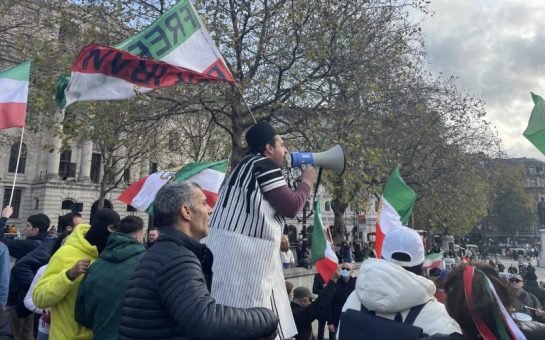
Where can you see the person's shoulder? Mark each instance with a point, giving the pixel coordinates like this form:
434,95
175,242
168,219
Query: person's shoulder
165,251
262,164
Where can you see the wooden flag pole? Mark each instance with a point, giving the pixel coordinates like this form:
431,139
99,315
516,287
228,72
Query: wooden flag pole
16,166
246,103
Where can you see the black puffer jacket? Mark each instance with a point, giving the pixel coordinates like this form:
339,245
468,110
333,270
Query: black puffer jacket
168,297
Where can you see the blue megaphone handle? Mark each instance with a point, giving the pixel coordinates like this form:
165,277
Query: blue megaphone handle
300,158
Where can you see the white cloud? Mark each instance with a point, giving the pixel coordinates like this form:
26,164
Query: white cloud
497,48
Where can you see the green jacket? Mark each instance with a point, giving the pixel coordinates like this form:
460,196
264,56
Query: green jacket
98,305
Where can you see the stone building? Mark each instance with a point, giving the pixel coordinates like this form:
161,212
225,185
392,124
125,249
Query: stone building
488,232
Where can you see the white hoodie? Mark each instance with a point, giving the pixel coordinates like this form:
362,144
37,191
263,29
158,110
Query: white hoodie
387,288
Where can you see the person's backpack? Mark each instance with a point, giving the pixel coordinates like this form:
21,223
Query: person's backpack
364,324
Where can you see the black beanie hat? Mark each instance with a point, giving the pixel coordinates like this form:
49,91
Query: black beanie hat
259,135
98,233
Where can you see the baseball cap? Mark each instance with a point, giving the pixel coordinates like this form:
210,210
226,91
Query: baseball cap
301,293
405,241
515,277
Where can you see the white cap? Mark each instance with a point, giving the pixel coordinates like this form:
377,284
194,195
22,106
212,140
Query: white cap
403,240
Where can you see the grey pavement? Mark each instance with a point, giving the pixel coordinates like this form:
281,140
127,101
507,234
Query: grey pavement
540,272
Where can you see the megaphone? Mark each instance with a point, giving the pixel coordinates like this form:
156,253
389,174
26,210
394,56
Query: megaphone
332,159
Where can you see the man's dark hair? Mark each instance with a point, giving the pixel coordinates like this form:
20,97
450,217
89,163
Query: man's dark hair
261,149
130,224
39,221
485,306
258,136
67,221
154,228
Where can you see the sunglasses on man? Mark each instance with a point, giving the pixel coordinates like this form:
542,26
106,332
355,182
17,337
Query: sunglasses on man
514,280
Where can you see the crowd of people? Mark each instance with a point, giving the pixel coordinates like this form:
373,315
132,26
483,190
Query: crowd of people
219,276
475,300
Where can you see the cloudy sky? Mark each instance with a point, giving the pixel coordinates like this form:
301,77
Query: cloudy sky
497,49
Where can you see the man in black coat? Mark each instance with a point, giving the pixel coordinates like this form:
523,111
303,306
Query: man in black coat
317,287
305,311
531,286
345,285
169,294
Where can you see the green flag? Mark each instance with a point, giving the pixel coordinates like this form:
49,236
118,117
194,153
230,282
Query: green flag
535,132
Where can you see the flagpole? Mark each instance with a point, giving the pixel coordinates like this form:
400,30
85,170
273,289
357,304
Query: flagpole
17,166
245,103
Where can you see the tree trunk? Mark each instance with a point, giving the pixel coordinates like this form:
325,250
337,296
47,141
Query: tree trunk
237,150
339,225
102,195
239,124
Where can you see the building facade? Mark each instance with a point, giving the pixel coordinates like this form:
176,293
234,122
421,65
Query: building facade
54,181
526,236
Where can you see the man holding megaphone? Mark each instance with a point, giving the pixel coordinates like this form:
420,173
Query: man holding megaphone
246,228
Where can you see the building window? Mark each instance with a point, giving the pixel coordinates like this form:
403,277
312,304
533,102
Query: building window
532,170
533,182
67,205
77,207
327,206
36,203
173,141
539,169
15,203
95,167
14,151
64,164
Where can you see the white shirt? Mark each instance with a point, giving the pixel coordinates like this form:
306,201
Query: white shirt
287,256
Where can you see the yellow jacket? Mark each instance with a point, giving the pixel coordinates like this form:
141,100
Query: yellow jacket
57,292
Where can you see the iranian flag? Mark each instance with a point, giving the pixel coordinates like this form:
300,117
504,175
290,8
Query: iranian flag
433,260
175,49
322,252
396,207
13,95
535,132
208,175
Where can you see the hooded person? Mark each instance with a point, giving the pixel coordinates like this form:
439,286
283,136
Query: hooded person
101,291
246,228
58,287
393,285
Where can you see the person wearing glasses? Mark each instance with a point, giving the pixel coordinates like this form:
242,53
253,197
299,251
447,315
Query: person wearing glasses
525,302
305,309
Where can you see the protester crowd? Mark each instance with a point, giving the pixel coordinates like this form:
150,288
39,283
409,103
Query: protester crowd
103,281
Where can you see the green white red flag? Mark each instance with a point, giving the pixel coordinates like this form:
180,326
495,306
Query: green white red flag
176,48
208,175
13,95
396,207
433,260
535,132
322,252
